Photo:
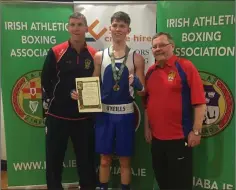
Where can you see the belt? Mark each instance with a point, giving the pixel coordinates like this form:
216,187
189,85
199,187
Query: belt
118,109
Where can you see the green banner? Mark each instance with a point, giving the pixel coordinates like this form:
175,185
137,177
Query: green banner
28,31
204,33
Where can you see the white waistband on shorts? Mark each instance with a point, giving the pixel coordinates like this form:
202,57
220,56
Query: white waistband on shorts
118,109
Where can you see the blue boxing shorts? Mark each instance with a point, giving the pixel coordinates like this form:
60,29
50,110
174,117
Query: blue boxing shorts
115,130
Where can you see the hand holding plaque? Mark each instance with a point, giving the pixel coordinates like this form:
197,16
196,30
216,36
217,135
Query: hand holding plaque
89,95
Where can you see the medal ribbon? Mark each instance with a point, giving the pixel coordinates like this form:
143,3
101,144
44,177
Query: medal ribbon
117,75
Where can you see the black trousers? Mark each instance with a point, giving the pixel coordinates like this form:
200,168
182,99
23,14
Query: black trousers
81,133
172,164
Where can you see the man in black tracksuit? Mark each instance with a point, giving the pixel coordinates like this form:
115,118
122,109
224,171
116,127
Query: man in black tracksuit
65,62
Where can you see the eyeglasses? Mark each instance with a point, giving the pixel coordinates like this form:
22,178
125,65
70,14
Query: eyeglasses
160,45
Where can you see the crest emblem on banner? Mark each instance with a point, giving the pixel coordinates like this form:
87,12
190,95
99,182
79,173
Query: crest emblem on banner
220,105
27,98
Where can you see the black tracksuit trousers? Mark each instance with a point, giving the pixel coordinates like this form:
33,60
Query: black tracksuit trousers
81,133
172,164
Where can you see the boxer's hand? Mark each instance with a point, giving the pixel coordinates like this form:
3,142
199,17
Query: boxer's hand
74,95
135,82
131,79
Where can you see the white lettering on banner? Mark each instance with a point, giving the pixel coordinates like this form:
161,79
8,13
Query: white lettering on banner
38,40
141,172
47,26
214,20
16,25
36,26
228,186
40,165
210,184
29,52
178,22
205,51
34,39
201,21
201,36
70,164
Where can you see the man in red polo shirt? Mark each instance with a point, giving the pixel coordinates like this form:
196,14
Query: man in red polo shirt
174,111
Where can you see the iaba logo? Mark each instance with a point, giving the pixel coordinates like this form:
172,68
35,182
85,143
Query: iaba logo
220,105
93,35
26,98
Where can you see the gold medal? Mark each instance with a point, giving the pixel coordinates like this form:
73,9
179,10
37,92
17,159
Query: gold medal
116,87
117,75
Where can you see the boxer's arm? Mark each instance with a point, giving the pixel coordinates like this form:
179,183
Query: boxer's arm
97,64
139,78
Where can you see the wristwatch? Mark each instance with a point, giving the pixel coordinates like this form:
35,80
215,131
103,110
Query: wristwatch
197,132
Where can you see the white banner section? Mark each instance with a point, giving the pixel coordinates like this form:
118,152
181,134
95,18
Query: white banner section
143,25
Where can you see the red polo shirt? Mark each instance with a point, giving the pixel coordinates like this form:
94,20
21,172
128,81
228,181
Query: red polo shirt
171,93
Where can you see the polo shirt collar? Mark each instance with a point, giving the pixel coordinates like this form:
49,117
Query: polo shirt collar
84,47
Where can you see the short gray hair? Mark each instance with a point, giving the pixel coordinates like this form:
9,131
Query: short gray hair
79,15
169,37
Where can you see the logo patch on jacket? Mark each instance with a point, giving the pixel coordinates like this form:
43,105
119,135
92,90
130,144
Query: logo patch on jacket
87,63
171,76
